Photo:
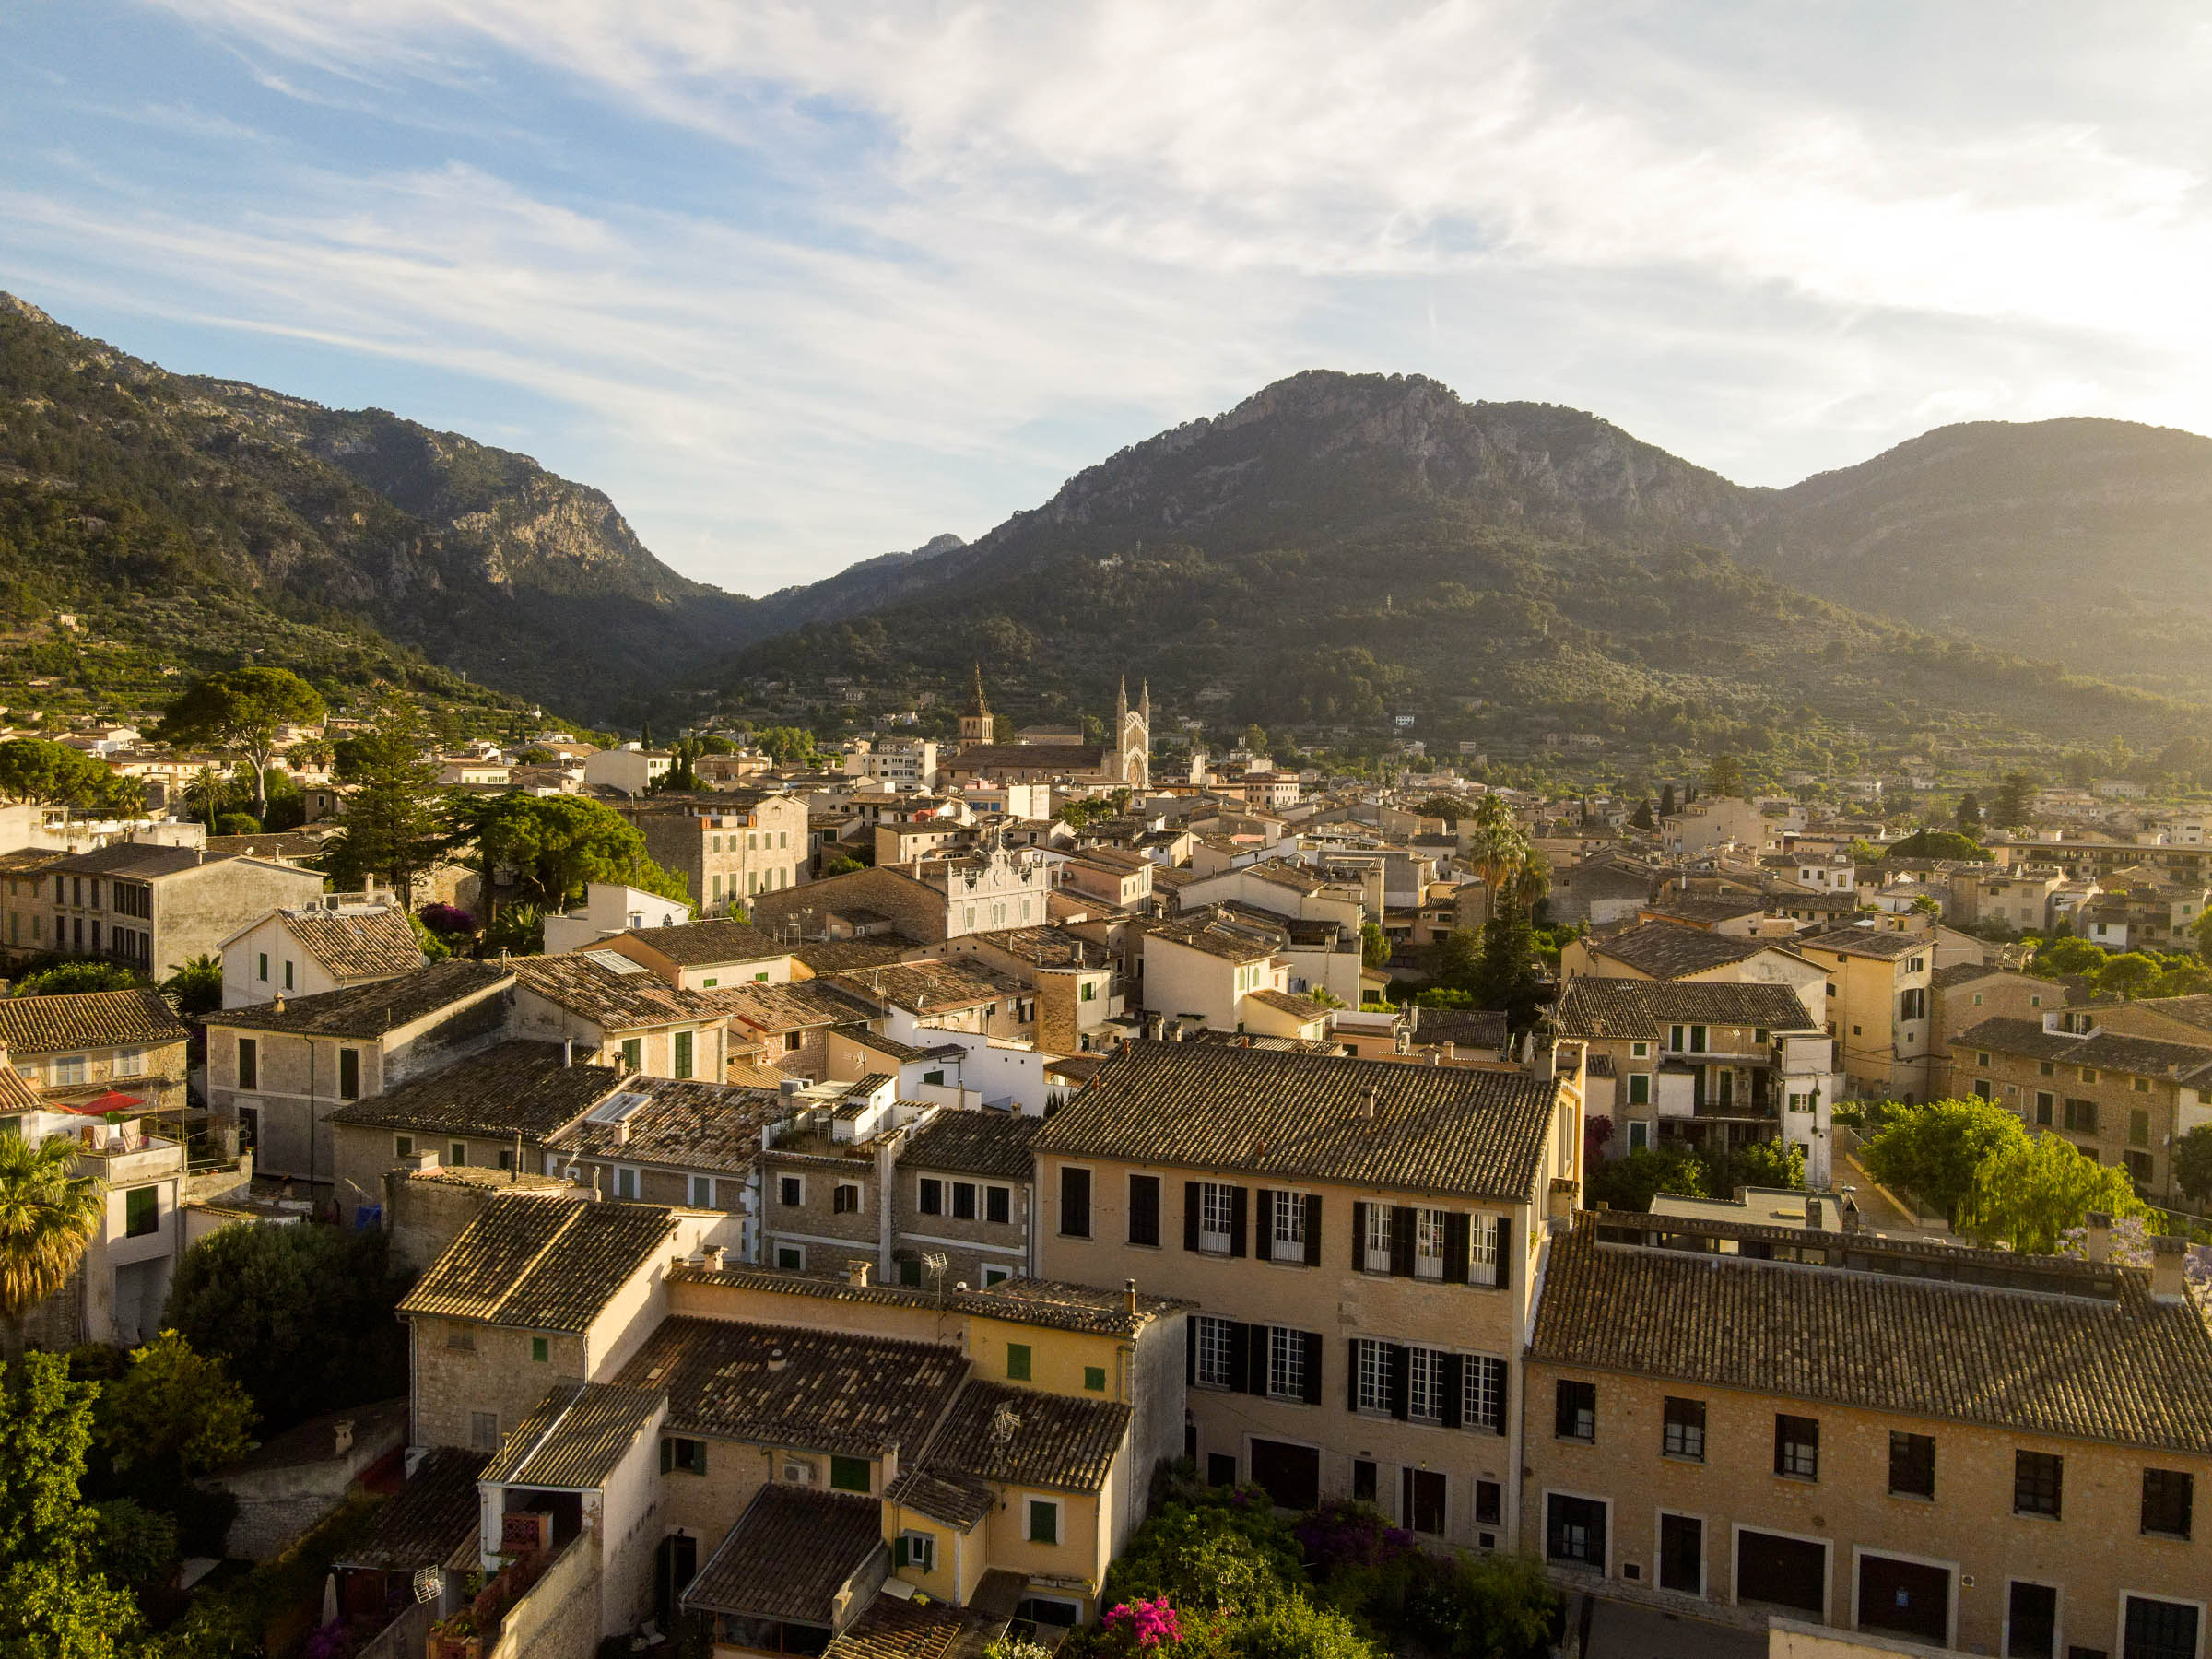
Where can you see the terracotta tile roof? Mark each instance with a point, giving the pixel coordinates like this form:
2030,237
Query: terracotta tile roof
540,1263
289,846
892,1628
702,944
436,1513
1030,757
800,1005
1621,1007
52,1024
1696,908
693,1125
1297,1007
954,1498
838,956
789,1554
973,1143
615,999
142,860
1024,1437
373,1009
356,944
890,1047
1666,950
2189,1010
933,986
2106,1051
574,1437
16,1095
1866,941
1469,1027
1021,1301
517,1086
2129,1370
1217,936
859,1397
1443,1129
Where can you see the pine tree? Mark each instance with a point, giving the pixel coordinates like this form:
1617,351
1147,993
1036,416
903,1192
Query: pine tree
1666,800
391,820
1970,813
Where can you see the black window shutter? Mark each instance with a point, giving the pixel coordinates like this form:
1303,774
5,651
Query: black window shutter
1359,1237
1261,1339
1190,1214
1314,1231
1351,1379
1263,1237
1456,1379
1401,1382
1505,1252
1400,1242
1190,1349
1459,1243
1240,1356
1312,1341
1505,1388
1236,1195
1405,1499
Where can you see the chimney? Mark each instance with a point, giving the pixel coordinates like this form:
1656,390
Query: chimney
857,1273
716,1255
1366,1108
1451,1051
1129,1291
775,1359
622,1131
2097,1238
568,1051
341,1436
277,1005
2169,1268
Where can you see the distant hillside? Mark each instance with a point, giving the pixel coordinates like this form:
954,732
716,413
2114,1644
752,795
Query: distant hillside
180,488
1341,544
2087,541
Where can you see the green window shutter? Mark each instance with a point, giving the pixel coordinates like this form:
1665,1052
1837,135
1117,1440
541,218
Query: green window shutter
1017,1361
849,1473
1094,1378
540,1349
898,1551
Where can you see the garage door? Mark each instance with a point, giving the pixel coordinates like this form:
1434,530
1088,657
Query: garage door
1790,1573
1909,1598
1291,1474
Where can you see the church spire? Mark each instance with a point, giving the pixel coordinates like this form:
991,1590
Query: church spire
976,705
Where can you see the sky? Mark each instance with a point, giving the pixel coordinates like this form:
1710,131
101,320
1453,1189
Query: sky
797,284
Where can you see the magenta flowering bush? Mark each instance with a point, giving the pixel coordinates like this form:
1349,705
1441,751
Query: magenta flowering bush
1149,1624
448,918
1344,1534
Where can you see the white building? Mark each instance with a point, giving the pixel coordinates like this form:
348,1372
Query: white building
629,769
608,909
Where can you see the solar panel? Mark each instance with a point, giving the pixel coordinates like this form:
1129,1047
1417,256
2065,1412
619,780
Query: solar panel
614,961
614,1108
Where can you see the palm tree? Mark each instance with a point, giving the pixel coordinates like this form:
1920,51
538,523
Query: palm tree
1499,850
47,1217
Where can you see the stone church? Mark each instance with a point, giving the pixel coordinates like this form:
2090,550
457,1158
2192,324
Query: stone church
1126,759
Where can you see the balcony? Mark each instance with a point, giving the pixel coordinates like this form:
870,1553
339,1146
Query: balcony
123,1154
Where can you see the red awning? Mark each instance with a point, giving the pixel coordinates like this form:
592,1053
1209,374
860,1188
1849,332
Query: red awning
113,1100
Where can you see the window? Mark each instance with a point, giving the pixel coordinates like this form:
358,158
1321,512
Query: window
287,976
141,1212
1574,1531
484,1430
1217,1216
1287,1227
2159,1629
998,1206
1483,1386
2138,1128
625,1181
1144,1209
1640,1088
1075,1204
1422,1499
1424,1386
702,1192
349,1074
1286,1363
2045,1103
633,1054
402,1146
1378,1238
1044,1521
1911,1465
1094,1378
2141,1085
1682,1554
792,1258
1429,1244
963,1200
249,1066
1638,1051
1913,1005
1017,1361
929,1196
68,1069
791,1191
2081,1116
1796,1447
848,1475
1674,1038
130,1063
682,1065
261,966
1490,1503
1371,1382
1363,1480
993,1275
1216,1368
2167,1497
1682,1433
2139,1169
844,1199
541,1350
2046,1069
1574,1411
2036,1479
456,1154
918,1551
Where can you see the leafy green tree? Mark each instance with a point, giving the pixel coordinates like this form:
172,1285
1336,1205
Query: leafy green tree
1449,808
2028,1191
1458,960
2067,956
1632,1181
240,711
173,1408
1937,1151
682,776
2130,974
137,1546
54,774
1725,776
301,1316
2193,1163
53,1599
73,978
1939,843
1968,816
1486,1606
2013,806
1374,945
1773,1163
391,823
787,746
555,844
236,823
47,1217
1506,975
197,986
